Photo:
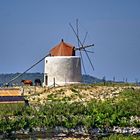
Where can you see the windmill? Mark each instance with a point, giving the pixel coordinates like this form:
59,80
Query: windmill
61,65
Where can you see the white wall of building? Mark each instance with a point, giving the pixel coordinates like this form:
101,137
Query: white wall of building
63,70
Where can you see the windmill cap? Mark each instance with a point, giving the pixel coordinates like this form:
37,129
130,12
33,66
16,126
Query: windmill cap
63,49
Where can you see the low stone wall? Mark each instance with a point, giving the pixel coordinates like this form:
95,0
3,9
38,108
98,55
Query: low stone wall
81,132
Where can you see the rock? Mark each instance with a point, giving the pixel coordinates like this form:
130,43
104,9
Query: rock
60,129
126,130
94,131
26,131
81,130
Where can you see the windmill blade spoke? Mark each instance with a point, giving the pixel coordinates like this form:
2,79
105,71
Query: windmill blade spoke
87,51
77,28
89,60
76,34
82,46
85,38
82,61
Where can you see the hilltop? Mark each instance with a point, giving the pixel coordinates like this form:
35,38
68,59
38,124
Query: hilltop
5,78
76,93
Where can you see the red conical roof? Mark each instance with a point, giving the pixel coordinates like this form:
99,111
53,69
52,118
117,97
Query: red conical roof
63,49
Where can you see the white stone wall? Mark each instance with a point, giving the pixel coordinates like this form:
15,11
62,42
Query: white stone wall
64,69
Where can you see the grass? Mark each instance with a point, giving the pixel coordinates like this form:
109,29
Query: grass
10,108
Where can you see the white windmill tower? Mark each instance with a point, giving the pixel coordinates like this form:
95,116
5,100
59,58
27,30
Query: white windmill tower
62,66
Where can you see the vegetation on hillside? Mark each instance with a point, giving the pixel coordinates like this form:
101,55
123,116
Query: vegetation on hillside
123,111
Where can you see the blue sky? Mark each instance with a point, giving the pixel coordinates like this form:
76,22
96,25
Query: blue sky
30,28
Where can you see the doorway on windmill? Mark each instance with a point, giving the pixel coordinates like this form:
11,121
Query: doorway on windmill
46,80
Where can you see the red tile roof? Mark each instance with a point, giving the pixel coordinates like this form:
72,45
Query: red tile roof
63,49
